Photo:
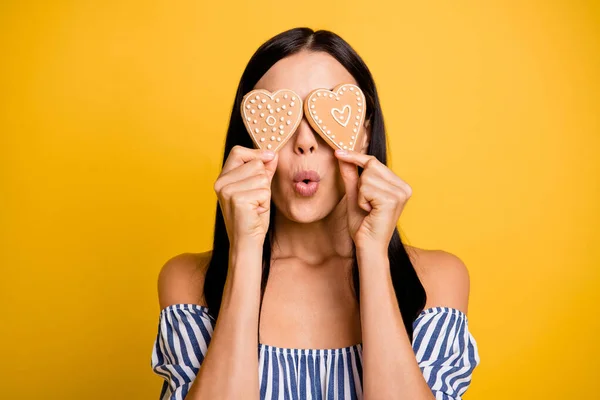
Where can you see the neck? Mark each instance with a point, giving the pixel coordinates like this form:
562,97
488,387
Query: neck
314,242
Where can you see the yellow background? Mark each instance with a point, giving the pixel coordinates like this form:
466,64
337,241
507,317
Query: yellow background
112,121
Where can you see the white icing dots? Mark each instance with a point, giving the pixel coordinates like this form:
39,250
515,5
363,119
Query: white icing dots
359,110
351,137
289,113
320,121
254,122
288,122
274,129
257,97
262,115
341,143
277,100
350,143
269,146
252,111
252,101
272,137
278,109
264,129
283,107
262,139
293,98
280,126
248,118
358,117
271,111
256,130
314,99
264,100
312,106
248,106
285,96
319,94
344,88
333,136
354,130
281,119
329,132
279,139
281,132
345,147
259,106
352,89
314,112
331,95
292,103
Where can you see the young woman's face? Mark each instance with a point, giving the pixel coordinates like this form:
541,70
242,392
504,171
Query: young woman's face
306,150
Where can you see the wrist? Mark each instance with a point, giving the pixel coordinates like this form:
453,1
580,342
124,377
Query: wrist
372,257
246,253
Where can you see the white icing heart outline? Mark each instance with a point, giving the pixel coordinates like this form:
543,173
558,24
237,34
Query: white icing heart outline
342,112
318,127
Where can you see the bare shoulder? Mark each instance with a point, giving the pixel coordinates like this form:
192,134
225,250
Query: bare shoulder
181,279
444,276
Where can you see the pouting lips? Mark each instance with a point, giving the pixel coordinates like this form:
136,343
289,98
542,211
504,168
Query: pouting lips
307,176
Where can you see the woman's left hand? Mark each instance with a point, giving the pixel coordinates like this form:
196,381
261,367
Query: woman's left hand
375,200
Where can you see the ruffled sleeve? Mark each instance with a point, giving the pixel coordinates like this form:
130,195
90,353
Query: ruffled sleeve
445,350
184,332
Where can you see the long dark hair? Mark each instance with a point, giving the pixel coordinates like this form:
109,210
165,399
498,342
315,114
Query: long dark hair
409,290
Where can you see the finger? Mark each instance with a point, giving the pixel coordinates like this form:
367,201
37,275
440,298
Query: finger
260,181
242,172
240,155
257,199
373,163
374,192
354,157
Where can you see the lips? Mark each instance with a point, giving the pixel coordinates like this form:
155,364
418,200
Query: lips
309,175
306,183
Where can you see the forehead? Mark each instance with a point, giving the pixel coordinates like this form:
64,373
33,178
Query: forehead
303,72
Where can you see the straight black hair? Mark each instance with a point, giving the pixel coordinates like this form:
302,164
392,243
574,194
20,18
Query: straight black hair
408,288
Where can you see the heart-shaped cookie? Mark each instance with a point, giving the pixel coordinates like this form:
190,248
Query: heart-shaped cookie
271,118
337,115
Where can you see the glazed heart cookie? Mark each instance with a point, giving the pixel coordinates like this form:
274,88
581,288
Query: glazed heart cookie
271,118
337,115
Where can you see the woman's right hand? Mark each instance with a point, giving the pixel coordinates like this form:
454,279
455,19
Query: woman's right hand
244,192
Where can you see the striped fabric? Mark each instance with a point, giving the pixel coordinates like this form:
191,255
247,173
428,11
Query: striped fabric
444,348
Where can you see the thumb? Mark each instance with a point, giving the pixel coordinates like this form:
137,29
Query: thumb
271,166
349,173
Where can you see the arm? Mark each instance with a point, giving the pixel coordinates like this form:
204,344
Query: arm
230,367
391,370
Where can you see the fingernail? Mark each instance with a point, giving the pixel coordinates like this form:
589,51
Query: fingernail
341,152
268,154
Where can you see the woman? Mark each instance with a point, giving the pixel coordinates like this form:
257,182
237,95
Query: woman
319,283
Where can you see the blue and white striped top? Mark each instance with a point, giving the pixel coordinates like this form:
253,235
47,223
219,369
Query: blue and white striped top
445,350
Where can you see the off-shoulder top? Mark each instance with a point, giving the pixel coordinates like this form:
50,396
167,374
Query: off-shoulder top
445,350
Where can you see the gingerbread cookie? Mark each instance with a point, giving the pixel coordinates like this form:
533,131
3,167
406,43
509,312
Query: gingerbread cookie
337,115
271,118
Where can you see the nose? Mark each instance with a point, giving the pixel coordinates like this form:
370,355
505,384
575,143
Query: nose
304,140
